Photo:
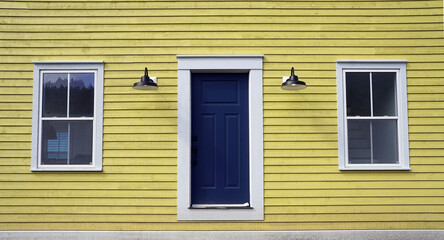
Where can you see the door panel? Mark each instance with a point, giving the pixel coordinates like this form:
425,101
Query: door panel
220,158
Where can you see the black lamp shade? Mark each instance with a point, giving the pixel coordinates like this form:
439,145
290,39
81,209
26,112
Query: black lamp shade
146,83
293,83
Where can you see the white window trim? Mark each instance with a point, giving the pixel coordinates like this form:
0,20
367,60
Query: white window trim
220,63
72,66
403,145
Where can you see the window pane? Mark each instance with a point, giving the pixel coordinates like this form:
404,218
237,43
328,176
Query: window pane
384,93
358,93
54,102
54,142
81,95
359,147
80,142
385,141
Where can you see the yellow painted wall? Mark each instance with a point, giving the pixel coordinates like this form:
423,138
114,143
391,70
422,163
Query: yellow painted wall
303,188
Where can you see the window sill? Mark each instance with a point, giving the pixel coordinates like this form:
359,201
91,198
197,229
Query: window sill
374,168
67,169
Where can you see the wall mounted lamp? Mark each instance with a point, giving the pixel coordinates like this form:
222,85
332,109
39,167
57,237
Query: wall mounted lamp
146,83
293,82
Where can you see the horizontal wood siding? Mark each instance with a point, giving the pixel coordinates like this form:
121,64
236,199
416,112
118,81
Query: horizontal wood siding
304,189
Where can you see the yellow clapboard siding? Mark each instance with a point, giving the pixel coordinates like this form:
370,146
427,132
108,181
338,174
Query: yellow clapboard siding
138,145
129,90
301,153
300,105
15,161
139,113
85,177
93,193
276,97
426,113
426,97
15,145
301,113
15,122
208,226
138,121
227,5
137,210
211,11
15,106
354,185
16,91
315,193
354,176
149,137
300,121
139,129
15,82
139,105
374,39
301,129
426,152
253,27
424,121
219,226
144,161
353,201
417,160
13,137
15,98
242,19
427,145
300,145
128,201
355,209
139,153
300,137
15,129
359,51
296,218
421,129
150,57
92,186
142,38
147,97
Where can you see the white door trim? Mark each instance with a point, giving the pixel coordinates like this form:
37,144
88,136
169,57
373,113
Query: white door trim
220,63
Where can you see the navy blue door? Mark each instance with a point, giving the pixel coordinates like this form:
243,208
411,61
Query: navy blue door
220,158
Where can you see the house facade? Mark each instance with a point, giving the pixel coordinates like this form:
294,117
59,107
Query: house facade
219,145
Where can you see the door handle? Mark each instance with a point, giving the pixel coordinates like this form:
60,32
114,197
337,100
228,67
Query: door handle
194,155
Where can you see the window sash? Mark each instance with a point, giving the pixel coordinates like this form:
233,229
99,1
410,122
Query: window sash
67,118
371,117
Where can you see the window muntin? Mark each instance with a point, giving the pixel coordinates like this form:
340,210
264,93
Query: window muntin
67,116
372,115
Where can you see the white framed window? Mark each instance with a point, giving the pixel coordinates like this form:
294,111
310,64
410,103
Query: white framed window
67,116
251,64
372,115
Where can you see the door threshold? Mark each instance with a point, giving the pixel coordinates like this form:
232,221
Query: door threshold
221,206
